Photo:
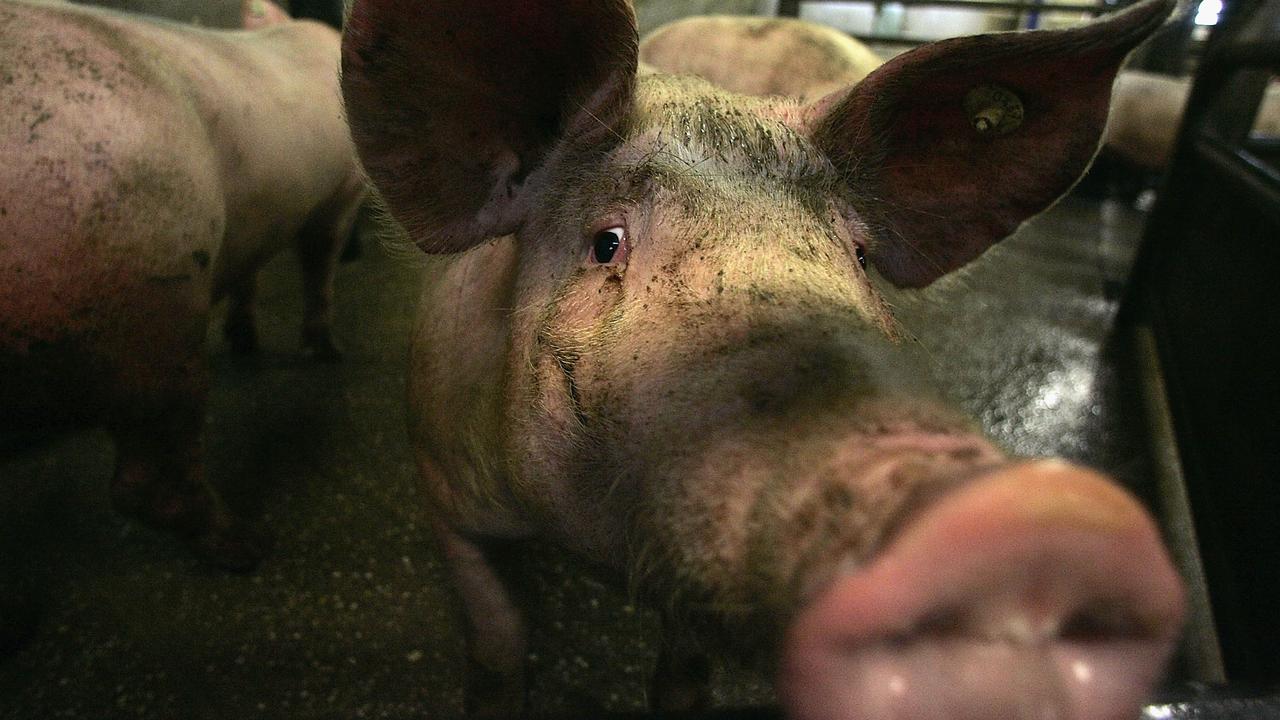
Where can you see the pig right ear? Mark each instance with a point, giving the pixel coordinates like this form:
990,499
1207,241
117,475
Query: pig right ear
946,149
454,105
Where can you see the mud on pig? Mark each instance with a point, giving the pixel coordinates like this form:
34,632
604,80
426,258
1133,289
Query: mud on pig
656,334
146,171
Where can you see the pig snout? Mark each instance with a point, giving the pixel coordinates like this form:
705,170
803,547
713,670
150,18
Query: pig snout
1038,591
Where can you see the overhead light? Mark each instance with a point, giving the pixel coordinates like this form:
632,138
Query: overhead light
1208,12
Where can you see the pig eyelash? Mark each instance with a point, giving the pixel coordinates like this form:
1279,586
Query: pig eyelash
856,230
610,246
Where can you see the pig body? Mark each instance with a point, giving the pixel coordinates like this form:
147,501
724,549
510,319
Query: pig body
1147,112
760,56
146,171
257,14
663,348
226,14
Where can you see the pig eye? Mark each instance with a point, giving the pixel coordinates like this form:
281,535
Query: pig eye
861,255
609,246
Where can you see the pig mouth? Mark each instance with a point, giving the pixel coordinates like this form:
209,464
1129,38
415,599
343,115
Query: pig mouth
1042,593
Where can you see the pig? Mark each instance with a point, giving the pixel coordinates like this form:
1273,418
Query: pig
760,56
258,14
146,171
227,14
1147,112
650,331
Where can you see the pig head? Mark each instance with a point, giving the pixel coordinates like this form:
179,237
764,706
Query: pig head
660,340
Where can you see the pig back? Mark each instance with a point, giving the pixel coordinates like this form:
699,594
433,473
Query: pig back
242,133
760,56
270,109
287,156
134,151
208,13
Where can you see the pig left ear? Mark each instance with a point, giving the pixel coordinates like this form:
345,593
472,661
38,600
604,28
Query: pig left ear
455,106
945,150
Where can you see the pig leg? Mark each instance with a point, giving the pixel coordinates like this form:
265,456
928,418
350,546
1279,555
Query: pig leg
241,330
682,678
495,630
318,247
159,479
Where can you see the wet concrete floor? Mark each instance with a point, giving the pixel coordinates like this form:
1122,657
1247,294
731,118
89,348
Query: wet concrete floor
351,615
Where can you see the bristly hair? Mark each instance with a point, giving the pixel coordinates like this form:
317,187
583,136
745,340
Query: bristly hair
707,126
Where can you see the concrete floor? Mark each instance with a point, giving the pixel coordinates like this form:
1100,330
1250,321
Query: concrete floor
351,614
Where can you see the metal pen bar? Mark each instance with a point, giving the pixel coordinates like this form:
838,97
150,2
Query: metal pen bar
1260,53
1091,8
1257,180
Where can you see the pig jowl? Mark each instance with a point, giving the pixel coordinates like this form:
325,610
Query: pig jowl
657,334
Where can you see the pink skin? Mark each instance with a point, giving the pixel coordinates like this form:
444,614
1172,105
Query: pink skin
658,341
1146,111
138,186
760,56
259,14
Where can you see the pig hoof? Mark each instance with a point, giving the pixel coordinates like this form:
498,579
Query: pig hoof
243,338
321,348
236,548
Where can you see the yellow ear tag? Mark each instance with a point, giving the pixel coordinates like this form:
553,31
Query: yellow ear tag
993,111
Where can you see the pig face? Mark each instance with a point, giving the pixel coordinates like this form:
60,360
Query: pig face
693,264
664,327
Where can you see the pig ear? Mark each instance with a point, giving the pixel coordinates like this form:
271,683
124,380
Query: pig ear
454,105
945,150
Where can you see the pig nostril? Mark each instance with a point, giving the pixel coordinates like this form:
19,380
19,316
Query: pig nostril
942,624
1104,621
1100,622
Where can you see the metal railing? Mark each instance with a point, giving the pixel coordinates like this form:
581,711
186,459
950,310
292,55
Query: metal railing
1204,281
1028,13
